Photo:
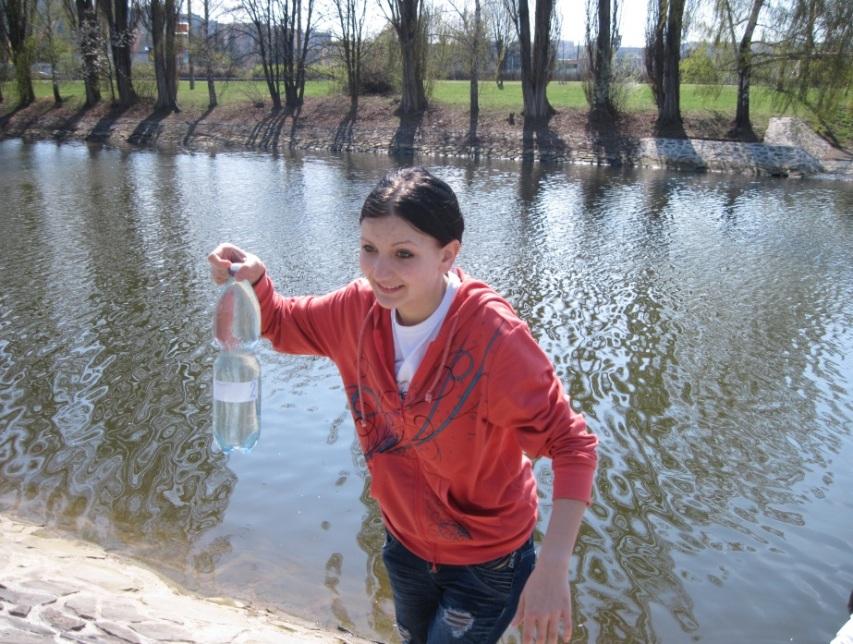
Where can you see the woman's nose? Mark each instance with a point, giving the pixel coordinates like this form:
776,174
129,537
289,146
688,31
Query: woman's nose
381,268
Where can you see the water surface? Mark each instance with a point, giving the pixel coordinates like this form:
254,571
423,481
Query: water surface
703,324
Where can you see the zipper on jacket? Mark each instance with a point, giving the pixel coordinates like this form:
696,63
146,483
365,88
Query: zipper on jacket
433,568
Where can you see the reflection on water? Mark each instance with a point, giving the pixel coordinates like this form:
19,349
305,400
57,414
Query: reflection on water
703,325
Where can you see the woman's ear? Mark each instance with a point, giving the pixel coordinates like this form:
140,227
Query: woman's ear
449,253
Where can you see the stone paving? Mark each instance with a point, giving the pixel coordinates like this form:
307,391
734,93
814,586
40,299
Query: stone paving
56,589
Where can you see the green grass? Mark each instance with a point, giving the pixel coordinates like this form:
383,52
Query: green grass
229,93
696,100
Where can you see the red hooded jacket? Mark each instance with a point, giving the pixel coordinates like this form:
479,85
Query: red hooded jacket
447,463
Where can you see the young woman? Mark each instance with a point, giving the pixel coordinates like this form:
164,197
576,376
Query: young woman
450,395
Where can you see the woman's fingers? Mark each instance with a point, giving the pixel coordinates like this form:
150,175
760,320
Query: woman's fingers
221,258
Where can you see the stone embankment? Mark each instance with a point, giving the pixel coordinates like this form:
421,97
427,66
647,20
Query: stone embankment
790,148
56,589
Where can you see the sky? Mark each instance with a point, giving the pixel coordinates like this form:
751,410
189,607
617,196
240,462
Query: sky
632,23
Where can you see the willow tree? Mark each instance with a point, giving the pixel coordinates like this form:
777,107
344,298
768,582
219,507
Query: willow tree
811,57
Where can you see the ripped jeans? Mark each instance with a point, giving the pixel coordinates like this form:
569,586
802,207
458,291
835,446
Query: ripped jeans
465,604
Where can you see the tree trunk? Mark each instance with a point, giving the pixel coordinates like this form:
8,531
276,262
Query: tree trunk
413,99
163,23
23,78
190,42
18,17
87,23
655,31
669,112
601,103
57,97
208,63
744,71
121,40
408,27
535,61
474,114
500,63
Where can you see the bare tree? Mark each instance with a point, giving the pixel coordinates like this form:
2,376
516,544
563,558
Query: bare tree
262,15
297,29
351,14
207,55
407,18
117,15
663,55
537,57
602,41
16,17
471,34
502,32
48,23
190,51
282,31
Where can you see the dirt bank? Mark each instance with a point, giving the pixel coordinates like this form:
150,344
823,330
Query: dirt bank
326,124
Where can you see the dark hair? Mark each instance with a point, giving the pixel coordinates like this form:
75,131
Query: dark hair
419,197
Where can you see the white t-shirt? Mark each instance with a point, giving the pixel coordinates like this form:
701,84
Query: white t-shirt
411,342
845,635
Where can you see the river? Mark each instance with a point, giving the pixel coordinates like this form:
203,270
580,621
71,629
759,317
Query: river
702,323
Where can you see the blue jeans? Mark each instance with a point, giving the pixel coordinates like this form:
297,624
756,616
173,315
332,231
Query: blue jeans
465,604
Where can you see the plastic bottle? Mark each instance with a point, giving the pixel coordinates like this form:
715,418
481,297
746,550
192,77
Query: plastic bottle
237,371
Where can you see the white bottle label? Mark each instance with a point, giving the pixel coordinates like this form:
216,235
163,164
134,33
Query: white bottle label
235,392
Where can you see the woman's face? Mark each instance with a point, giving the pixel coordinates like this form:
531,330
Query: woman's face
406,268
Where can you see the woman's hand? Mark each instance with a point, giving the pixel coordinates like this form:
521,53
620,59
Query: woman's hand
545,608
224,255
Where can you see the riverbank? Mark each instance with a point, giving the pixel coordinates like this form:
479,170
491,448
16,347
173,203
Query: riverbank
54,588
788,149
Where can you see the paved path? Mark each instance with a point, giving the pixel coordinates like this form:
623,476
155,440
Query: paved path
62,590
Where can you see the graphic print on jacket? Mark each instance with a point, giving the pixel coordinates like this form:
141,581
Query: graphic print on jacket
407,435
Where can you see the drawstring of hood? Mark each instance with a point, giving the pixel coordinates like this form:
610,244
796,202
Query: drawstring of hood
362,421
441,362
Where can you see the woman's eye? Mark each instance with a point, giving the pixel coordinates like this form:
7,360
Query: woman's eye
367,248
404,254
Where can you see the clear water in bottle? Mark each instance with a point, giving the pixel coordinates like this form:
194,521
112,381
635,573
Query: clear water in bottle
236,370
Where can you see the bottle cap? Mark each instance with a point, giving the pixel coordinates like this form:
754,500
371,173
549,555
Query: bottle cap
234,268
